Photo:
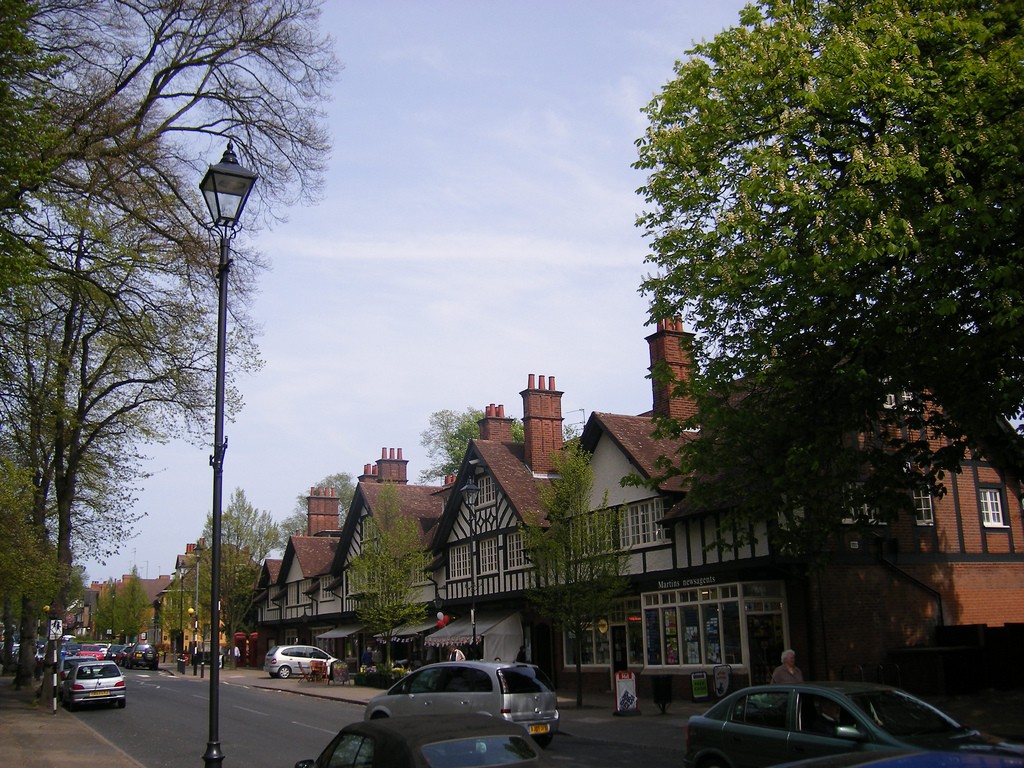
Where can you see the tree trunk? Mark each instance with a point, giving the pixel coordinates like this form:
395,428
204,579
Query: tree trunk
27,653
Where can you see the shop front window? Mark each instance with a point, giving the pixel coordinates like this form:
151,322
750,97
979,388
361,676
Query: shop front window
713,625
691,635
653,637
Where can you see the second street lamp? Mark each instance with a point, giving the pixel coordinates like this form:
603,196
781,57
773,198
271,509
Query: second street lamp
469,494
226,188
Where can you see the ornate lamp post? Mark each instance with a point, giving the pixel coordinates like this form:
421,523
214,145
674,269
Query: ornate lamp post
469,495
226,188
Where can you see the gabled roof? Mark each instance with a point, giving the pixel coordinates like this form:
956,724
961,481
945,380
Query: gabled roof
314,555
507,464
505,461
269,572
154,587
634,437
423,502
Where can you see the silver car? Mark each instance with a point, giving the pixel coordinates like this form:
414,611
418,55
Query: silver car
94,682
286,660
520,693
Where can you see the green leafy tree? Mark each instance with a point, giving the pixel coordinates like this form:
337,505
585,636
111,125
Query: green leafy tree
25,158
123,610
447,437
833,205
343,485
391,563
27,562
247,537
579,570
107,348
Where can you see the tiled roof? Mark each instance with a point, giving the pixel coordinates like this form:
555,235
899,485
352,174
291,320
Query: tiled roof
633,434
269,573
507,464
314,554
155,586
418,501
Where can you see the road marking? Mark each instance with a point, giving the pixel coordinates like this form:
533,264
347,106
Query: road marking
254,711
313,727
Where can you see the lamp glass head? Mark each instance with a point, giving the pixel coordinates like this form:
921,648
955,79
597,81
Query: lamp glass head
226,188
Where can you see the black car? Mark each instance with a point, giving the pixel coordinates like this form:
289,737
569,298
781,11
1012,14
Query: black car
144,656
422,741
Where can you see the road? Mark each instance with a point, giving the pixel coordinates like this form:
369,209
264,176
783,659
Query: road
166,725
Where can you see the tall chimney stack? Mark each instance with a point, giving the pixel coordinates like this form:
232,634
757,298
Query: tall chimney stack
542,423
670,346
495,425
392,468
322,507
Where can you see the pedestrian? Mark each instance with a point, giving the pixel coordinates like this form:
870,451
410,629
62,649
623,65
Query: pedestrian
521,656
454,654
238,655
787,671
366,659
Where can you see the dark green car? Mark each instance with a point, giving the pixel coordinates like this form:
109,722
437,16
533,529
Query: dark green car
770,724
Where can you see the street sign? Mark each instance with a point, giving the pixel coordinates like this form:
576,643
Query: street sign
56,629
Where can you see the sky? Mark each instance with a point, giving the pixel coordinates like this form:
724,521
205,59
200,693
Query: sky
477,226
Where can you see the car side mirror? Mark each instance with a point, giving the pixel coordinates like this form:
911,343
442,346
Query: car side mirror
850,733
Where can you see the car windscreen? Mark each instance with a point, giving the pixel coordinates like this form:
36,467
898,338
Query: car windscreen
524,679
479,751
903,715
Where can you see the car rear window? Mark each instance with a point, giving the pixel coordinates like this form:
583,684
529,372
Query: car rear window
97,671
479,751
524,680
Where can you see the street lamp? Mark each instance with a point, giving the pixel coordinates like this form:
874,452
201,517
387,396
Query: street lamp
469,494
226,187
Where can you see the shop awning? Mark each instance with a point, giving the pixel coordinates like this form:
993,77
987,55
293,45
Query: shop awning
342,631
410,630
460,631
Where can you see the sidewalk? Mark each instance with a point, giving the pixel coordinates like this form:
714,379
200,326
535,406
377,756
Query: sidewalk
31,735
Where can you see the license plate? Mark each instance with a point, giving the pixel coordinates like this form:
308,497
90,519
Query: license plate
539,728
99,693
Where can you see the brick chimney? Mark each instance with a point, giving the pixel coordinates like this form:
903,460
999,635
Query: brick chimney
670,345
391,468
542,423
495,425
321,510
369,473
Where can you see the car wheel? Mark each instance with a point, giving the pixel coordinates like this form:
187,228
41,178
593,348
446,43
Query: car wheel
714,762
284,672
543,741
122,703
70,704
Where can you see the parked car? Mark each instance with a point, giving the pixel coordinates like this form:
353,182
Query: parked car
113,651
283,660
93,650
64,667
430,741
910,760
121,659
143,655
520,693
771,724
94,682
